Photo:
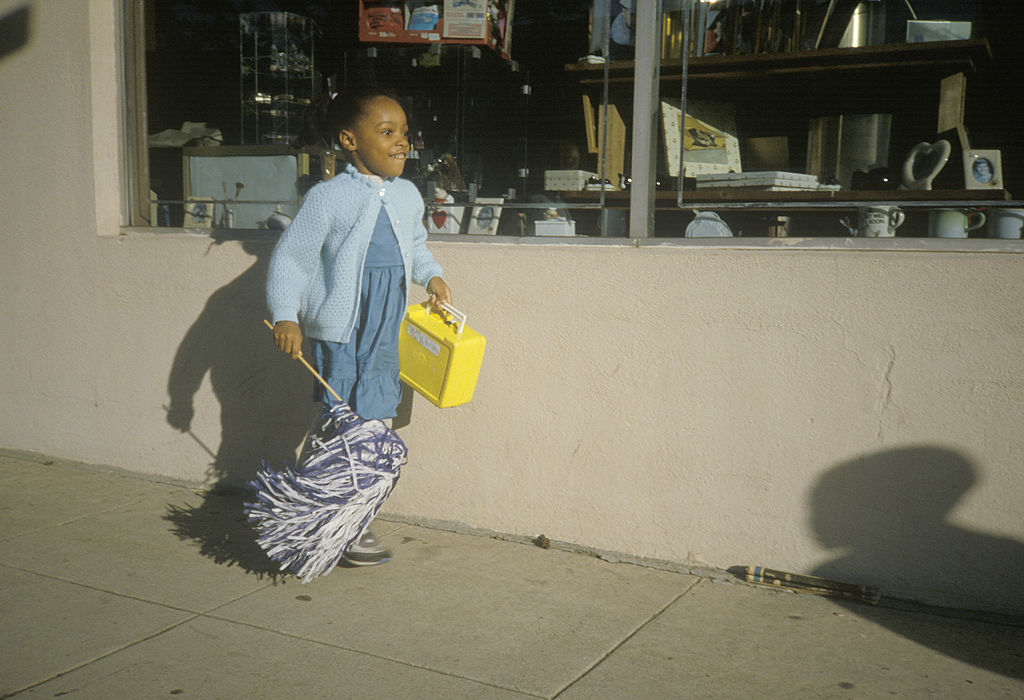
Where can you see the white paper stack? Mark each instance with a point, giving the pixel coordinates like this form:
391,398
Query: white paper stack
767,181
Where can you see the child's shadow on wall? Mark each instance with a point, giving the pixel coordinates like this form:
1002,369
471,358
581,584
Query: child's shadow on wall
265,410
890,515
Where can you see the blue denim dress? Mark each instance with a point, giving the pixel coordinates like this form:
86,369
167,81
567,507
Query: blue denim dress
364,371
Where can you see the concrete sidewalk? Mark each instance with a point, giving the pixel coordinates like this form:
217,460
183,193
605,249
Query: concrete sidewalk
113,585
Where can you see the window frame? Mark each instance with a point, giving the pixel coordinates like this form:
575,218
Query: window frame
136,158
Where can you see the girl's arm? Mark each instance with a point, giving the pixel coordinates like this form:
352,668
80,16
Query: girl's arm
296,257
425,270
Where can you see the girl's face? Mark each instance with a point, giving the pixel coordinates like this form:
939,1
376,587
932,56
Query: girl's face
379,141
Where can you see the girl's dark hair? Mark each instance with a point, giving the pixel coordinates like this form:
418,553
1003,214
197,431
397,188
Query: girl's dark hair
348,107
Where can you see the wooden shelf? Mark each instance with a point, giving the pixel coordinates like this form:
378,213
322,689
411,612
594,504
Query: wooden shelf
943,57
776,94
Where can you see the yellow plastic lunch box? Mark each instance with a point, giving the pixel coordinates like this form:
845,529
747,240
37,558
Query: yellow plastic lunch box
440,356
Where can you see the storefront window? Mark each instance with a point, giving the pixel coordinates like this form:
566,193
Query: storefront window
824,118
614,118
500,129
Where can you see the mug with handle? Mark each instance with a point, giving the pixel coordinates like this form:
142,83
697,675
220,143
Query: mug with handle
875,222
1005,223
954,223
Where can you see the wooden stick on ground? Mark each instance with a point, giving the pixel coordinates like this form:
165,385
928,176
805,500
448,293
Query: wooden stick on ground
812,584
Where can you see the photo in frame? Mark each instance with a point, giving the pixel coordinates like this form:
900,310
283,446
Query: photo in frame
199,212
983,169
486,216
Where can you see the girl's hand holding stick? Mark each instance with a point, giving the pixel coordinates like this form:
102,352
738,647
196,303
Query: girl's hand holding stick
288,338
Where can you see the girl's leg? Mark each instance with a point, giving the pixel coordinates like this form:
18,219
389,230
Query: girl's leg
337,363
377,389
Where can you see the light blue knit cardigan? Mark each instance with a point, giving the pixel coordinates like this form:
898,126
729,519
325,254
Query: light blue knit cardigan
317,265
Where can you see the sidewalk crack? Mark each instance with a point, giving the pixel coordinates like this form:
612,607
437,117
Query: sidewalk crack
628,637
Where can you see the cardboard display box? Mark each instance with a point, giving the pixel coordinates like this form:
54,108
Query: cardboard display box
475,22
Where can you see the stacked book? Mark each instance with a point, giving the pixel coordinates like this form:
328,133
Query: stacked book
766,181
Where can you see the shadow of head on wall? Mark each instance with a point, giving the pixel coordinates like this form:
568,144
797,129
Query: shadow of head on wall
891,515
14,29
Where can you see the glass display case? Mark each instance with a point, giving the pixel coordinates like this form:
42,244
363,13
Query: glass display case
279,84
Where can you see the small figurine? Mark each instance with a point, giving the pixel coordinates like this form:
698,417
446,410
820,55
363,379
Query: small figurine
278,221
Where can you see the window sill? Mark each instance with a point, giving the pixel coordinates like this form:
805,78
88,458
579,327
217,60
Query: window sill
823,243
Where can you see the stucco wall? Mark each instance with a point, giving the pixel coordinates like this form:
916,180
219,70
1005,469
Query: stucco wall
851,410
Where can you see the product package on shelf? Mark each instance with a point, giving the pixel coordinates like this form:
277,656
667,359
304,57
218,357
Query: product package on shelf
475,22
554,227
567,180
771,181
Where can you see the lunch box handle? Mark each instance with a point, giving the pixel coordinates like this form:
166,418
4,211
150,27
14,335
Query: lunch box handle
458,317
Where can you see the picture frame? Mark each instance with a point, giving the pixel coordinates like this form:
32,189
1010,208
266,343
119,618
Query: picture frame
199,212
983,169
485,217
706,136
445,217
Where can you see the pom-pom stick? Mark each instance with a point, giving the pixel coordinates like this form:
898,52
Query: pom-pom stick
307,516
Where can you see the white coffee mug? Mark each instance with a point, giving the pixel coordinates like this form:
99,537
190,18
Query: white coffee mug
875,222
954,223
1005,223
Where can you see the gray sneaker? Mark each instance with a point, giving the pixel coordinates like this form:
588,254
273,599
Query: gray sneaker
367,551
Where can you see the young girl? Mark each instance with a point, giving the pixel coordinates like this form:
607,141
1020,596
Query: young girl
344,264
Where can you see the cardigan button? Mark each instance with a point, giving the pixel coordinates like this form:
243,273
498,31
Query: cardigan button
382,191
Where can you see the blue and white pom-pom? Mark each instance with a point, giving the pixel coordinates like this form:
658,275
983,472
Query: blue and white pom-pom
307,516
